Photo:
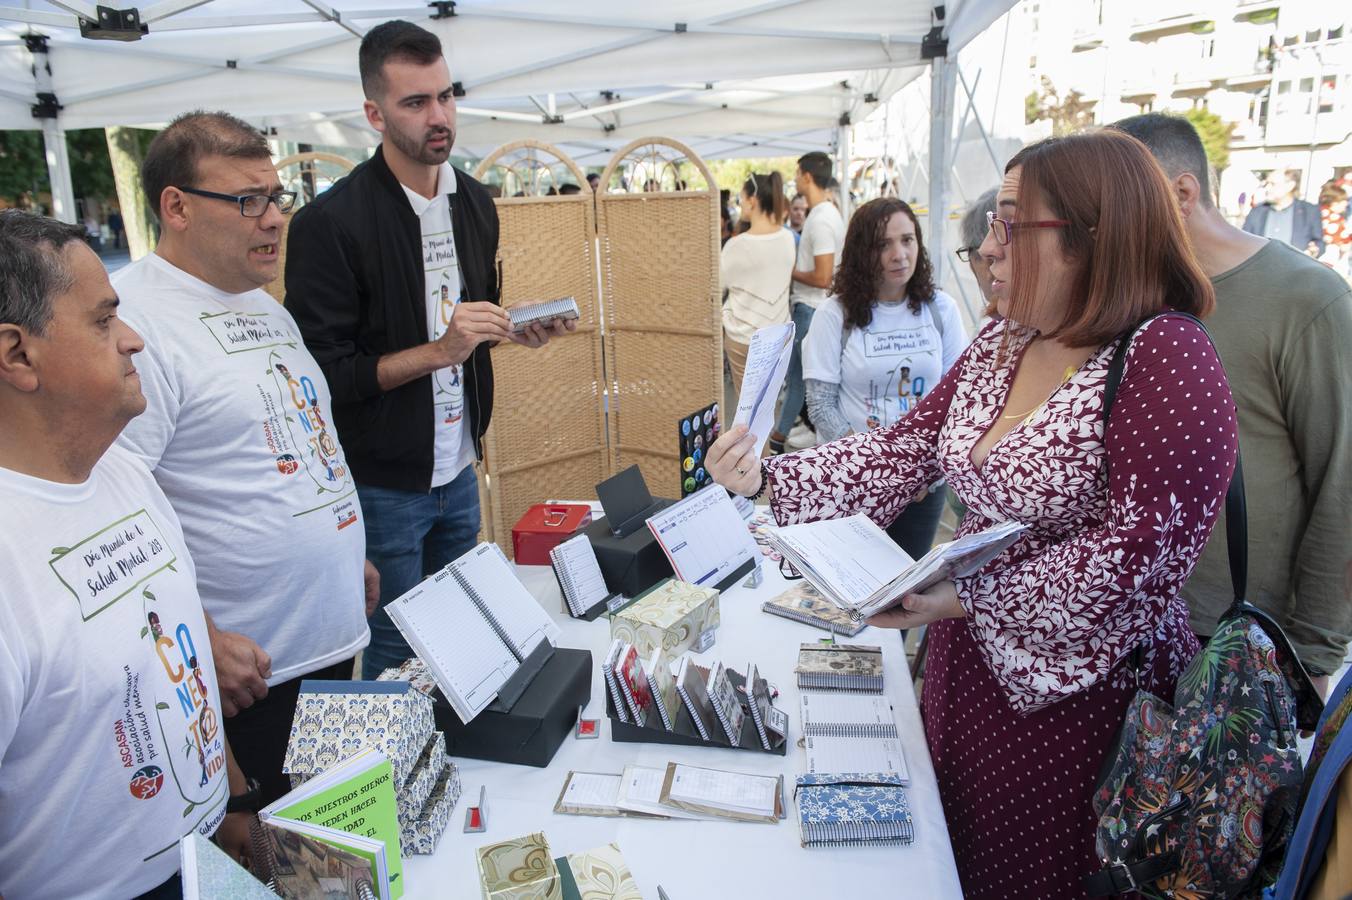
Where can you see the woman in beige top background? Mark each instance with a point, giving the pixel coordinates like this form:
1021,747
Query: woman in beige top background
756,267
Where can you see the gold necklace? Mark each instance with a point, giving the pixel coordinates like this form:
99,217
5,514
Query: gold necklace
1065,376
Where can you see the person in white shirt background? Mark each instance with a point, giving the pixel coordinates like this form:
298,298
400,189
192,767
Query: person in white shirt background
106,675
239,433
881,341
755,267
819,250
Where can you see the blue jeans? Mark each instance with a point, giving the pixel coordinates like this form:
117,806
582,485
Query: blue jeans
793,379
408,537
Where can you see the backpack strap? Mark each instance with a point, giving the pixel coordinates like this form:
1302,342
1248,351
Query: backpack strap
1236,511
1123,878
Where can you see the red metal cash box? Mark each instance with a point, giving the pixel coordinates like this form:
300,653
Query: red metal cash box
544,527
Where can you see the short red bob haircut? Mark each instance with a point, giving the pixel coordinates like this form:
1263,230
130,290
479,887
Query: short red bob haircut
1125,236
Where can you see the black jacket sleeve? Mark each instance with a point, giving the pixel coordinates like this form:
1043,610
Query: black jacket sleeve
324,293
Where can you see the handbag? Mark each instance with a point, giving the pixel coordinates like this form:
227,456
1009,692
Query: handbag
1200,796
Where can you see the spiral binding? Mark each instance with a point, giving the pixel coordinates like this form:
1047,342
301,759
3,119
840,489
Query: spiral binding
487,613
851,729
527,314
566,583
843,834
694,712
822,681
263,859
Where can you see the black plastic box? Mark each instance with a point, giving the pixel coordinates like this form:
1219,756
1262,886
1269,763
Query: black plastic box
531,731
630,564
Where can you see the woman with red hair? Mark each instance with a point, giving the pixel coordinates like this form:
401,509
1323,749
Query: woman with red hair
1029,670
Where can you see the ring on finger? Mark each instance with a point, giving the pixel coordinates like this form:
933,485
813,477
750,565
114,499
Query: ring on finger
741,471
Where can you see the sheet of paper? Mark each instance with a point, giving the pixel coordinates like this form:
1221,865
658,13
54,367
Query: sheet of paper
704,537
837,710
753,794
767,361
842,755
640,788
447,631
592,790
852,556
580,572
524,621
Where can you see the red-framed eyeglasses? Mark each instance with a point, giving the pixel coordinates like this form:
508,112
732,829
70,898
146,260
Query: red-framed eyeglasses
1004,228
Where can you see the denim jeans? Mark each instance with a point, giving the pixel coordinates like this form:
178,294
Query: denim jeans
793,380
408,537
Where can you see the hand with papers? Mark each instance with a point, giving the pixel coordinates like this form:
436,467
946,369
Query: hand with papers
734,461
937,602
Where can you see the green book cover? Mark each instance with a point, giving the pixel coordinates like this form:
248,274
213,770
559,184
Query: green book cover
356,797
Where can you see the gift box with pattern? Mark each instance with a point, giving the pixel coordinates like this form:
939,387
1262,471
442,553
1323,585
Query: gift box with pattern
336,719
672,616
421,834
519,869
412,796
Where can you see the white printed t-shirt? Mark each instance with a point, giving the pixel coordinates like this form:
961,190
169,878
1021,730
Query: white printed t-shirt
885,369
823,232
111,739
452,445
238,432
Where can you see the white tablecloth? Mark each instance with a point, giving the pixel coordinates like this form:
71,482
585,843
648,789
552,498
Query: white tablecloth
702,860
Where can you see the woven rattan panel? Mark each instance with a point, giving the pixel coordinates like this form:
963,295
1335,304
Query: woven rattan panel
290,170
664,340
547,438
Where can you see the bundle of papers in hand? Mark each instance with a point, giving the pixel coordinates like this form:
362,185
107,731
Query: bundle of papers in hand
860,569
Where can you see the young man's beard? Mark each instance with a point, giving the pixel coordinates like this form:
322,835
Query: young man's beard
417,149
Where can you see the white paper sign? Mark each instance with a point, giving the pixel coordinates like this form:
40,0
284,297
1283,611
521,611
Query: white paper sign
767,362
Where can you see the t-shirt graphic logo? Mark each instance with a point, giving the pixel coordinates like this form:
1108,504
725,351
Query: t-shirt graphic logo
146,782
287,464
309,431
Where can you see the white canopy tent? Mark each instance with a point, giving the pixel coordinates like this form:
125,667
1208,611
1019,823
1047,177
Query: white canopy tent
731,77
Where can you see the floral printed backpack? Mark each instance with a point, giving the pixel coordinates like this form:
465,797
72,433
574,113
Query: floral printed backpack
1200,797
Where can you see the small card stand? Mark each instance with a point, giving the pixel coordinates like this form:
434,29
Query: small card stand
534,713
686,733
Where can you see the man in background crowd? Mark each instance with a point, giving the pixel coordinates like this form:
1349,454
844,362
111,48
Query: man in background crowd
1283,217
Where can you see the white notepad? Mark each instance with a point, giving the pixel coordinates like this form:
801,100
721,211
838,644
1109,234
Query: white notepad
579,574
472,623
844,755
752,795
640,788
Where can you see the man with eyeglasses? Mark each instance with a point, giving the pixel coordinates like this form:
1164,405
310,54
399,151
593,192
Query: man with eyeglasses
238,431
973,228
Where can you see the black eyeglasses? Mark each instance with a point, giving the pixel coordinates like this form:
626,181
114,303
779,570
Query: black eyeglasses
251,206
965,253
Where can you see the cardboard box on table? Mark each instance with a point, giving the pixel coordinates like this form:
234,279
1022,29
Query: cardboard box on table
672,615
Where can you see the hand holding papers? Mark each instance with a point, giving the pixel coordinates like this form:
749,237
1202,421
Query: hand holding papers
857,566
767,361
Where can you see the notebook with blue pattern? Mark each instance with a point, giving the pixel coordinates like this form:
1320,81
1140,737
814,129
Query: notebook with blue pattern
853,809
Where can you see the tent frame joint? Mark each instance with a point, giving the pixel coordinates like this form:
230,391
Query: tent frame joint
445,9
114,25
47,106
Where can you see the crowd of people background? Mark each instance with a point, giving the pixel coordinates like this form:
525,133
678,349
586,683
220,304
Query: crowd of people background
213,496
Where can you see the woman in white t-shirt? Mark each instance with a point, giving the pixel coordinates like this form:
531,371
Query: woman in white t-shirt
881,341
756,267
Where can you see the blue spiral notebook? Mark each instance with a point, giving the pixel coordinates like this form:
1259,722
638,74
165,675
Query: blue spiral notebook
853,809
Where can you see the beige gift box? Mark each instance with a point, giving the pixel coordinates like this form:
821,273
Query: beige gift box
672,616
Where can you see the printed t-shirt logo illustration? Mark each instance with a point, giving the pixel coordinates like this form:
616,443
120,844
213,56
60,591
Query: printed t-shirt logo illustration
146,782
448,388
899,392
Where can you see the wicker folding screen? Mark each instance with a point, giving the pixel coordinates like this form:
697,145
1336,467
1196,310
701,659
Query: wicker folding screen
663,327
548,436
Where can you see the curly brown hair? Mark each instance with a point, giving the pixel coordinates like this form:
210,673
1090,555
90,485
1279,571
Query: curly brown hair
855,283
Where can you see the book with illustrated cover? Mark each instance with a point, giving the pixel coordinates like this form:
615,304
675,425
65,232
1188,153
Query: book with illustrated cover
727,708
860,569
634,684
298,865
692,683
804,603
770,722
840,667
662,687
350,807
858,809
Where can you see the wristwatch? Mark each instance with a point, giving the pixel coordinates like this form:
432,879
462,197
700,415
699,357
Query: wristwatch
247,801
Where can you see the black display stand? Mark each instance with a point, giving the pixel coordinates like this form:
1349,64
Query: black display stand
532,715
685,733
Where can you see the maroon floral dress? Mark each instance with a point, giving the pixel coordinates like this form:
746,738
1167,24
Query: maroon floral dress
1023,697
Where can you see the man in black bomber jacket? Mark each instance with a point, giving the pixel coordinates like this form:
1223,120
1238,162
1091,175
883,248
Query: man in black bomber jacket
391,276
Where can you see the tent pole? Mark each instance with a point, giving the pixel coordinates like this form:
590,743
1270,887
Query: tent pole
843,164
48,110
943,82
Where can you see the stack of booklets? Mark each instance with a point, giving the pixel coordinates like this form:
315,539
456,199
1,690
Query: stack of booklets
840,667
674,791
853,809
579,573
334,833
716,704
804,603
473,624
334,718
524,868
861,570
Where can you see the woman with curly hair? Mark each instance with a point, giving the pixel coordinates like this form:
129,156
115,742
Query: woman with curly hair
881,342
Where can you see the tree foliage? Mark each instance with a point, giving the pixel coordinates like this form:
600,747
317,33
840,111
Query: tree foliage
731,174
1215,133
23,166
1068,114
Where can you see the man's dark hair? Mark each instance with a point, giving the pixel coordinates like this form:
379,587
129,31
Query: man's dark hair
818,165
32,269
173,156
569,188
393,40
1175,145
